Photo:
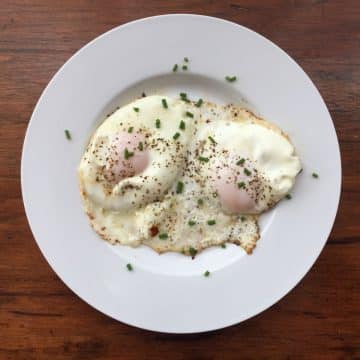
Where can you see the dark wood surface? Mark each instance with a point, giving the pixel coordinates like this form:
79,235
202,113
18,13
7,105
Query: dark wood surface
40,318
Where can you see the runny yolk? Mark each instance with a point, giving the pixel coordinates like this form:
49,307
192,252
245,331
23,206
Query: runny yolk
234,191
127,156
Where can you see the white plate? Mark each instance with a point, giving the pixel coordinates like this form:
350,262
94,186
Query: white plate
168,293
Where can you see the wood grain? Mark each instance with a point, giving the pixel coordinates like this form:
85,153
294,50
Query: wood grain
40,318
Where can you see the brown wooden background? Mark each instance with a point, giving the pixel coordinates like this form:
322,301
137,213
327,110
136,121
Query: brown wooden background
41,319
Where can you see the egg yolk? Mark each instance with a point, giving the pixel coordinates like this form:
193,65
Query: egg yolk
127,156
234,190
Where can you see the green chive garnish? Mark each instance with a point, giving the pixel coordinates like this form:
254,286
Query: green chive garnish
200,202
130,130
199,103
191,223
211,222
128,154
141,146
223,246
175,67
247,172
163,236
203,159
164,103
186,59
230,78
189,114
129,267
182,125
176,136
242,218
207,273
240,162
136,109
184,97
67,134
241,185
212,139
157,123
179,187
184,67
192,251
315,175
288,196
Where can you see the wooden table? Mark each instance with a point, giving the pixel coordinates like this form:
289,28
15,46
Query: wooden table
40,318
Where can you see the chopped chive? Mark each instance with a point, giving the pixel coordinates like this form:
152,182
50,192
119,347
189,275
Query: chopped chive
203,159
241,185
176,136
129,267
130,129
315,175
200,202
157,123
288,196
240,162
136,109
211,222
184,67
230,78
179,187
191,223
223,246
184,97
67,134
189,114
175,67
247,172
212,139
128,154
182,125
164,103
242,218
199,103
192,251
186,59
163,236
141,146
207,273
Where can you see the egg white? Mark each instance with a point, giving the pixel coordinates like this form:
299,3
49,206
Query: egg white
151,200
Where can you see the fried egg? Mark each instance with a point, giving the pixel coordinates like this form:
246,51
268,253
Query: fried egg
179,177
